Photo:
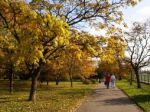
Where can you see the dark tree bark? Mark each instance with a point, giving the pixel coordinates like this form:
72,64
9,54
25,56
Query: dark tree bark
57,80
71,80
35,75
70,71
47,82
11,76
120,78
120,66
137,78
131,77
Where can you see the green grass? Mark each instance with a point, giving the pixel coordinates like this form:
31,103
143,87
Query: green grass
140,96
52,98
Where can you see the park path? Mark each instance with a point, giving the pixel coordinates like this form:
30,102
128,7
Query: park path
108,100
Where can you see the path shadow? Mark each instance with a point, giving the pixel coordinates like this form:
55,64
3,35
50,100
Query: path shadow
116,101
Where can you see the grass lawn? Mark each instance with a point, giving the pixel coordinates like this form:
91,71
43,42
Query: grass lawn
52,98
140,96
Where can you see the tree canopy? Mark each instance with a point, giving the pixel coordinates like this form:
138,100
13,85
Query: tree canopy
36,33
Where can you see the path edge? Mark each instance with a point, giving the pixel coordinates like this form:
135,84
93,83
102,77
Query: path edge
85,97
138,106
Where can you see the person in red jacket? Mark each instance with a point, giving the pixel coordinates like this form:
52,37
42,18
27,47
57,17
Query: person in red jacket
107,80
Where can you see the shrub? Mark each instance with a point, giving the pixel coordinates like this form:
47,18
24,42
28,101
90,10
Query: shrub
86,81
93,81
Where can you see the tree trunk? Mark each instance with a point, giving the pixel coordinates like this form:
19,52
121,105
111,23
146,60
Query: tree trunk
32,96
120,78
71,82
99,80
131,78
137,78
70,75
120,66
47,82
11,82
57,81
35,75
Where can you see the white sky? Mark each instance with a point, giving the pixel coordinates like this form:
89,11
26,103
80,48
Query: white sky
140,12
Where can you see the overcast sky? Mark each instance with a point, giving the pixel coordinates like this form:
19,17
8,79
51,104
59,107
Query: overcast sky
140,12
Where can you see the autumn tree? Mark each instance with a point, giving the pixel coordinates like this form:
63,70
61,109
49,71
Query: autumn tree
112,54
119,47
77,11
52,39
8,59
138,47
82,47
52,71
50,19
81,67
34,47
128,70
87,67
59,69
12,28
12,16
74,12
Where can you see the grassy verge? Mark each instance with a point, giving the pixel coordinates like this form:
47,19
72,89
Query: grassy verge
140,96
52,98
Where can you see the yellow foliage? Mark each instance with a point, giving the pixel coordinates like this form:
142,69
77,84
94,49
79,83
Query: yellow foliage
32,35
115,49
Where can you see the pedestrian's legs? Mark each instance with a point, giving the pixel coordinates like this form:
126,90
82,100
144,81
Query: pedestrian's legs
113,84
107,84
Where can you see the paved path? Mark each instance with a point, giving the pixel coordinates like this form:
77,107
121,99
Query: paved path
108,100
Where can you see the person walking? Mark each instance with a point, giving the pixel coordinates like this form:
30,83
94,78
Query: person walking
107,80
113,81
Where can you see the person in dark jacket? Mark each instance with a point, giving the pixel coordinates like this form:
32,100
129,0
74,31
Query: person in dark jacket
107,80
